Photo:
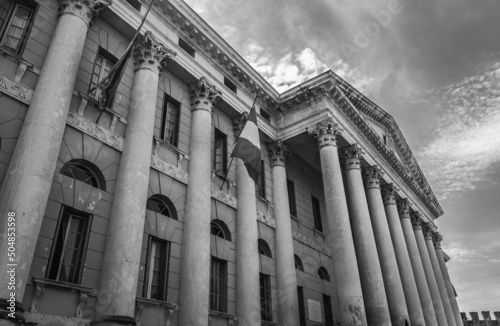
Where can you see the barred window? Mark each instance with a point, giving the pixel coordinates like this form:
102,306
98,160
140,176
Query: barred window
318,224
158,256
218,285
15,19
266,312
170,121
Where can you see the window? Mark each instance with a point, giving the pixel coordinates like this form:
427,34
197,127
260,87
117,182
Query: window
170,121
291,197
69,247
323,274
229,84
265,115
102,65
220,229
327,305
84,171
158,256
162,205
15,19
219,163
318,225
266,312
218,285
186,47
261,182
135,3
264,248
302,310
298,263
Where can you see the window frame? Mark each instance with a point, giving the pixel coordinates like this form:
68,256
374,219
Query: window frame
33,9
219,135
266,304
316,206
323,274
327,307
290,185
163,272
107,57
302,308
221,293
260,187
170,103
65,213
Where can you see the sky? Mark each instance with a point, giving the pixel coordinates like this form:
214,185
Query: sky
434,65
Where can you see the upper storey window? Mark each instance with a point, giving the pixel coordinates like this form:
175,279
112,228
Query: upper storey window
170,121
102,65
15,19
186,47
219,160
229,84
135,3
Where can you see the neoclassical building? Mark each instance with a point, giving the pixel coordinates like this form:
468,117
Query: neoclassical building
122,214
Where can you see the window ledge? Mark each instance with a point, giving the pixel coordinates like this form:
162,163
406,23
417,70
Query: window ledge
172,147
230,317
22,63
141,302
316,231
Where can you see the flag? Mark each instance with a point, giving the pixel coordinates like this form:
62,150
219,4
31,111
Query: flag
247,146
109,84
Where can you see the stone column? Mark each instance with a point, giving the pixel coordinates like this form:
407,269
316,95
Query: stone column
416,263
372,283
28,179
416,221
427,230
120,269
345,266
247,263
402,257
437,238
285,262
195,264
385,248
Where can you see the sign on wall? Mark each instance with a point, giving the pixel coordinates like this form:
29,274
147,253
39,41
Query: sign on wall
314,308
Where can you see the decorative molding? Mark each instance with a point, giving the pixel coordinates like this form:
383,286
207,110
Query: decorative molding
169,169
82,300
403,208
416,220
312,243
39,290
266,219
389,194
351,157
325,133
150,54
224,197
203,95
15,90
140,303
427,230
437,238
278,151
371,176
87,10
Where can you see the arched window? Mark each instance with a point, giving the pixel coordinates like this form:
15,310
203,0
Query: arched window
298,263
162,205
220,229
264,248
323,274
84,171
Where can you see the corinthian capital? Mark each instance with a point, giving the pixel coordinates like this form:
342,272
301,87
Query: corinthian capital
351,156
151,54
239,123
437,238
87,10
371,176
203,95
325,133
427,230
277,152
403,208
416,220
389,194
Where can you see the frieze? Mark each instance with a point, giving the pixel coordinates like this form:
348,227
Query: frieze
169,169
91,129
16,90
266,218
224,197
312,243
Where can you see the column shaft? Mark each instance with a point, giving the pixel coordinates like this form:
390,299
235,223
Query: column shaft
28,179
195,264
392,280
402,257
120,270
372,283
285,263
345,266
416,263
247,264
439,277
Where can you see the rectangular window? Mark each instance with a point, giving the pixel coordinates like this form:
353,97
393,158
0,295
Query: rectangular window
327,304
69,246
157,262
265,115
218,285
291,197
229,84
135,3
170,121
102,65
266,312
302,310
219,162
318,224
261,182
15,19
186,47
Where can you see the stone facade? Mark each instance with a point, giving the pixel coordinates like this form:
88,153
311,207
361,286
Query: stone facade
124,215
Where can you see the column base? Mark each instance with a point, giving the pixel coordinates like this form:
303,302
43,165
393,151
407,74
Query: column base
6,311
114,321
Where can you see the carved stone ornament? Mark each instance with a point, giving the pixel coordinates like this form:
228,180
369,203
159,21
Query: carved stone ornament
239,123
203,95
150,54
427,230
87,10
437,238
389,194
325,133
416,220
371,176
277,152
351,156
403,208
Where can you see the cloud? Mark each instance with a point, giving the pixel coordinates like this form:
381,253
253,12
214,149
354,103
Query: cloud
228,31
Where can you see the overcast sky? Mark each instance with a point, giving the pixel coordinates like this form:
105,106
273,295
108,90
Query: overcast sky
432,64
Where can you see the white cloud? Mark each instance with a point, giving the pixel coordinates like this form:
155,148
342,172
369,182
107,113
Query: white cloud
228,31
